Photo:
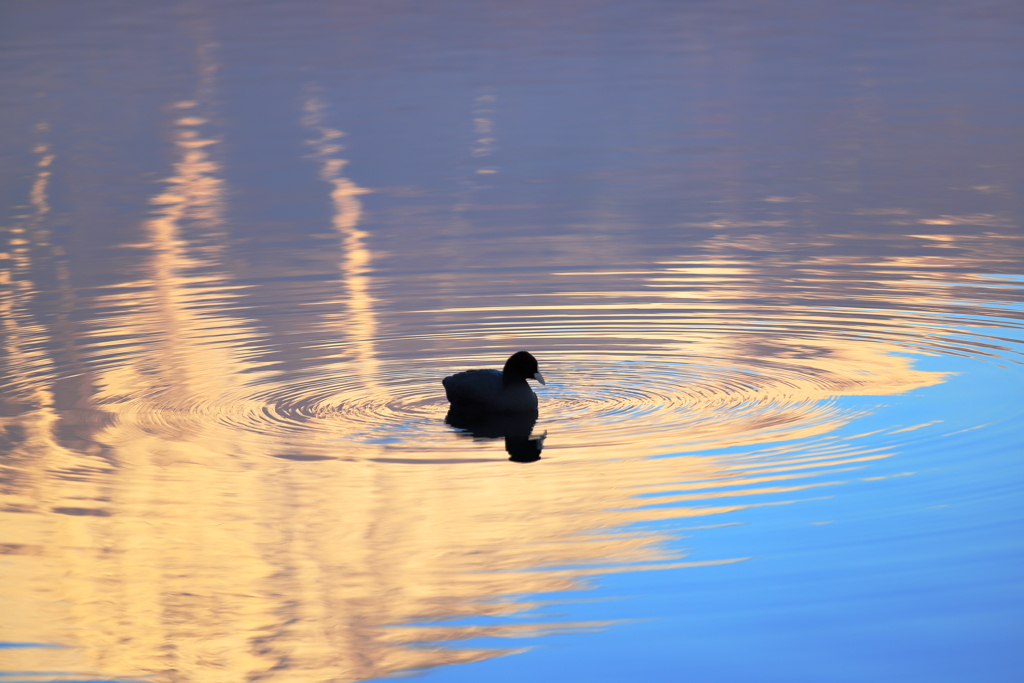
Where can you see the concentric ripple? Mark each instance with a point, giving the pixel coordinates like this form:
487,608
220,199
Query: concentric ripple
650,360
624,379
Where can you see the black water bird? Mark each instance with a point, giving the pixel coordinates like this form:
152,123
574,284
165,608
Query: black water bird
489,391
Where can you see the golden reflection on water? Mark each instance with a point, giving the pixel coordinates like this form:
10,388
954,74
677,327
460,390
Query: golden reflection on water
157,532
358,325
181,520
186,513
190,515
193,490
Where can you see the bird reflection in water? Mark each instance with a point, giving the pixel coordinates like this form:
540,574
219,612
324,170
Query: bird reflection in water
515,428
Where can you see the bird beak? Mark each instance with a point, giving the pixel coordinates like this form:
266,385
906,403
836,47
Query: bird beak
539,377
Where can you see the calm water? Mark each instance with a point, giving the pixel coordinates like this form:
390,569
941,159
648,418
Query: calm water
769,255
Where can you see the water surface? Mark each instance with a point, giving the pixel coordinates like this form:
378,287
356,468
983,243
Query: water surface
769,257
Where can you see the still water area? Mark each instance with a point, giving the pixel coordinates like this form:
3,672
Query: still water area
769,257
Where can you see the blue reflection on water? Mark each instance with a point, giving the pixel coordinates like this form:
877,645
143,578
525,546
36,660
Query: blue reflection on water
627,135
4,645
909,572
37,676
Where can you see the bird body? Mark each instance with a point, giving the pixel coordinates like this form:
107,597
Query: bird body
491,391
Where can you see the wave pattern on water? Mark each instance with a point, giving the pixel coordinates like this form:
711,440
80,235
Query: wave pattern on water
651,376
314,452
225,454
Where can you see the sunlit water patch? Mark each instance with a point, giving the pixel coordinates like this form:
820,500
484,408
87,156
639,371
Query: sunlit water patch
374,492
651,377
300,488
229,299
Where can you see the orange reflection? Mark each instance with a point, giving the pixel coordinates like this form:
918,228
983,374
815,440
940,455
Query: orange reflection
191,519
359,324
205,547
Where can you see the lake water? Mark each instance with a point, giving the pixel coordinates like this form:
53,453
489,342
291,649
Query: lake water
769,255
